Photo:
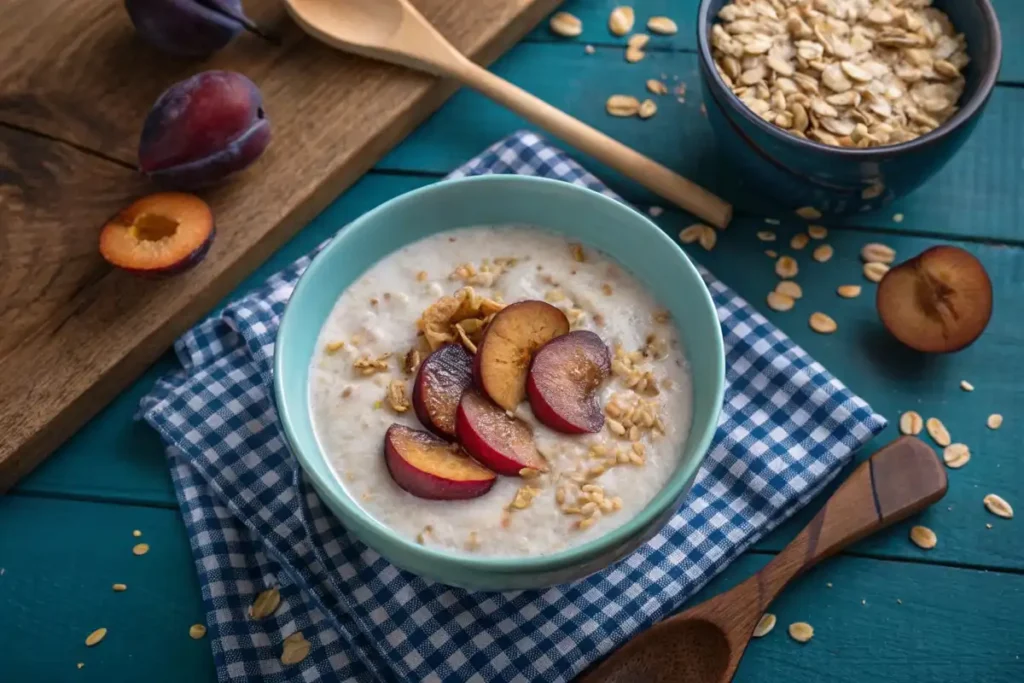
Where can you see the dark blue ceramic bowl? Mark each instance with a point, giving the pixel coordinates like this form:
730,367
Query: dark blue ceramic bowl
798,172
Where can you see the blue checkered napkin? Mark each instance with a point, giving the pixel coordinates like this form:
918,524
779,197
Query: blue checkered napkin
787,428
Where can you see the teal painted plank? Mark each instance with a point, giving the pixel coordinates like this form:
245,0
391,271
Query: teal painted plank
953,624
594,15
113,457
976,194
59,560
891,378
894,379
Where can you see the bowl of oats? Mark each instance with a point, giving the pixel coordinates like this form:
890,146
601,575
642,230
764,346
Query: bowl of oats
841,106
501,382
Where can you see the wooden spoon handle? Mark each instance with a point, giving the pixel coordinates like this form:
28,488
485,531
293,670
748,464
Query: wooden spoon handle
898,481
609,151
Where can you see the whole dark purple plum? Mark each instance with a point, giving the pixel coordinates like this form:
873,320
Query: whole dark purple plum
188,28
203,129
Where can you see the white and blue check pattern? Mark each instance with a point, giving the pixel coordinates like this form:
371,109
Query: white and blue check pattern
787,428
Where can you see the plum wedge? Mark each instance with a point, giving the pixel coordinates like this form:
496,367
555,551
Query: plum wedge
503,358
441,379
563,382
429,467
504,444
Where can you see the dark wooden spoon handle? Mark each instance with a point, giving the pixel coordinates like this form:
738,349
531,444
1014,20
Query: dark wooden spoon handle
901,479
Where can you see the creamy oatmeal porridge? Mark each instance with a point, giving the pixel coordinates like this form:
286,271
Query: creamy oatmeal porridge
575,419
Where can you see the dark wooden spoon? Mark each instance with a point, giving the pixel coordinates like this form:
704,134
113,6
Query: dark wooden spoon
705,643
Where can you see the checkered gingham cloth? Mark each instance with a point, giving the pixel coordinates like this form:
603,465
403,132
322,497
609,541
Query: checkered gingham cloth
787,428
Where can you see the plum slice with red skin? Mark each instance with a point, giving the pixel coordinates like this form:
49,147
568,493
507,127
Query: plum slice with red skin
503,358
564,378
441,379
429,467
158,235
503,444
937,302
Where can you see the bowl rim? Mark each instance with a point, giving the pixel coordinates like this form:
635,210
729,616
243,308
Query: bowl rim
671,492
964,114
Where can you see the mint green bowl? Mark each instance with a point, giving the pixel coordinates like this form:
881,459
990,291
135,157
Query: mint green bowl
580,215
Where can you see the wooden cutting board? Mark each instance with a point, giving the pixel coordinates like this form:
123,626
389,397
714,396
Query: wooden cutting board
75,84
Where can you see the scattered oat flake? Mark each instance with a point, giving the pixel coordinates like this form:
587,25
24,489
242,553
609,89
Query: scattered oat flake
966,386
799,240
898,218
589,49
80,665
120,587
655,211
196,631
808,213
662,26
622,105
764,625
877,253
638,41
801,631
817,232
656,87
95,637
911,423
295,649
634,54
620,21
875,271
566,25
771,253
823,253
849,291
956,455
997,506
265,604
937,431
691,234
923,537
141,548
780,302
772,221
333,347
790,288
766,235
994,421
823,324
786,267
708,238
136,533
647,109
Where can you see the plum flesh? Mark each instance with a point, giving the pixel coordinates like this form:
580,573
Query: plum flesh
203,129
429,467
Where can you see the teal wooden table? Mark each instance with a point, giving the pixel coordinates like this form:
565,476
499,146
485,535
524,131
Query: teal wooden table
885,610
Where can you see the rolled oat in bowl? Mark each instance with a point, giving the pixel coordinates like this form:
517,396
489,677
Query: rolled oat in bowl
848,73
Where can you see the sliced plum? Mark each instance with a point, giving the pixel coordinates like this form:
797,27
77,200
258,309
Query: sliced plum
502,443
441,379
159,235
429,467
564,378
503,358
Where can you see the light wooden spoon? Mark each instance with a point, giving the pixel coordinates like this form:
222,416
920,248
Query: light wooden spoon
705,643
394,31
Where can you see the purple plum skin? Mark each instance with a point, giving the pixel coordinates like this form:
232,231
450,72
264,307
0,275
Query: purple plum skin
187,28
203,129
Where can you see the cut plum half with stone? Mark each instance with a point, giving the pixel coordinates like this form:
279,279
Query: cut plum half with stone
429,467
937,302
504,444
564,378
441,379
503,358
159,235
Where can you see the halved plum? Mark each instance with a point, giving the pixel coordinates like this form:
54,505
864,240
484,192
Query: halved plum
503,358
563,382
441,379
158,235
504,444
429,467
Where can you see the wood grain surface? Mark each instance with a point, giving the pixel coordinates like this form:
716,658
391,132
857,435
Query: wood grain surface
75,84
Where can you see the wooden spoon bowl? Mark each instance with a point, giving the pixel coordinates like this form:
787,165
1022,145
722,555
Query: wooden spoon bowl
705,643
